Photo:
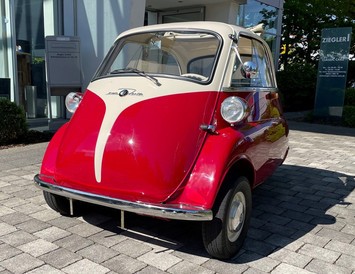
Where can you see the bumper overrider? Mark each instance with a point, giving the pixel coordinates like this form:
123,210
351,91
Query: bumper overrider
168,211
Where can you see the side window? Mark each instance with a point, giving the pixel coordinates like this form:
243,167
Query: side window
251,50
201,65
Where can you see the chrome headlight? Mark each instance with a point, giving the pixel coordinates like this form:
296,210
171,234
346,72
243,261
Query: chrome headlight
233,109
73,100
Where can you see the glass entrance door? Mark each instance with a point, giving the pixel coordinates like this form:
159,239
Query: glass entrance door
30,52
5,80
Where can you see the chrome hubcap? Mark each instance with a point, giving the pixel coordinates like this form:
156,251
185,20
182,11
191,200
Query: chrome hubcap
236,216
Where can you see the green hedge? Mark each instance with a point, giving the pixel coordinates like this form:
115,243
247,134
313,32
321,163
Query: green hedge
13,124
348,118
349,97
297,85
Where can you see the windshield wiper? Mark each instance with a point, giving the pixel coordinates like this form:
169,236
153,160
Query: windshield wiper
137,71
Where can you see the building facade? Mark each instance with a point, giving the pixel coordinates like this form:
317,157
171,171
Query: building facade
25,24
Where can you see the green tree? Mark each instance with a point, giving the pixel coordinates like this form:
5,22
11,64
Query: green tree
303,21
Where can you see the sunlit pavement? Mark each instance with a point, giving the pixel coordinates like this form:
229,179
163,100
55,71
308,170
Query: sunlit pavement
303,220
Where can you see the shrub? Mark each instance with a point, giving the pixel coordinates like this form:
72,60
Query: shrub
12,122
349,97
297,85
348,118
351,73
34,136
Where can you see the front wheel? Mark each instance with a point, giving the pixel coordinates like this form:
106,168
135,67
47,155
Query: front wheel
224,235
57,203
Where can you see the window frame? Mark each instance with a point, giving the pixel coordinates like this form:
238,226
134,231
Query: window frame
121,40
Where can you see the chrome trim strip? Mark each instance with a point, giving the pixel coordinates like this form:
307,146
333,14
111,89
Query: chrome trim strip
177,212
249,89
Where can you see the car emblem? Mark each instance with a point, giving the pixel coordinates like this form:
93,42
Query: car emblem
123,92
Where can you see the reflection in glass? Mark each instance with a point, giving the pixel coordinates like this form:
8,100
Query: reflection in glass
254,13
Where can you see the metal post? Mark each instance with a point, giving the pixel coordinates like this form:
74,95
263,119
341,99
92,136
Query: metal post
122,219
71,207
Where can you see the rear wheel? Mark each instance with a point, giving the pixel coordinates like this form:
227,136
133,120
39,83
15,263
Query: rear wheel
57,203
224,235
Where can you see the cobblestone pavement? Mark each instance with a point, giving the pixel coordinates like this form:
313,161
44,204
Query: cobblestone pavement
303,221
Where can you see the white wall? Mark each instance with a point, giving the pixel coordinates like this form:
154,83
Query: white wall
98,23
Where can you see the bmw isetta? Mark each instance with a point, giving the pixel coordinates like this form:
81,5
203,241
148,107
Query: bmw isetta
181,121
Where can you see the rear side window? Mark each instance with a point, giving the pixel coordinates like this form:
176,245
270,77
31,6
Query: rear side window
253,51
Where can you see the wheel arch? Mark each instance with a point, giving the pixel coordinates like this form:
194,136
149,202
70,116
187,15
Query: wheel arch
242,167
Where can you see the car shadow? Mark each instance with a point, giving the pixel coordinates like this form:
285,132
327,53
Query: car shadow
294,202
321,128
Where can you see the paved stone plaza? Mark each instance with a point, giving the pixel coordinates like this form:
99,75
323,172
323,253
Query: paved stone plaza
303,221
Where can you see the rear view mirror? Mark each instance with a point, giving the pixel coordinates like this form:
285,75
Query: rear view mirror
249,70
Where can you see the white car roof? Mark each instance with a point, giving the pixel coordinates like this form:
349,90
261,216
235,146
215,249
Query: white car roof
222,28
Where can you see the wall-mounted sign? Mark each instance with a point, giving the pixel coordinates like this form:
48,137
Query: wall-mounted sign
63,69
332,71
63,61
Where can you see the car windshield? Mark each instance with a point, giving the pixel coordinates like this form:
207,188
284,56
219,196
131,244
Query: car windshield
188,55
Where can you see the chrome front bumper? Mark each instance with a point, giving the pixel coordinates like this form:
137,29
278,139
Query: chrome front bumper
177,212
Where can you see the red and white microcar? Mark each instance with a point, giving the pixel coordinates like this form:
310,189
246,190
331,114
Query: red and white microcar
181,121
